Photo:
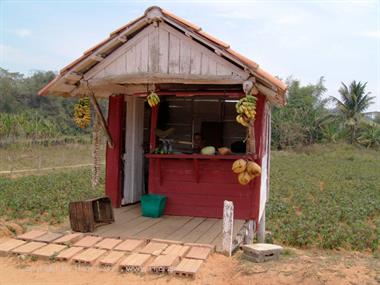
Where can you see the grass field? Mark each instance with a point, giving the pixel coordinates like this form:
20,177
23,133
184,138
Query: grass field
45,198
324,196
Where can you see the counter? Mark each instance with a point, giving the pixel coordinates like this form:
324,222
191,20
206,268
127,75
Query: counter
197,185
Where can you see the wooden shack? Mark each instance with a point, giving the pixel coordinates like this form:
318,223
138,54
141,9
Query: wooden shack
199,79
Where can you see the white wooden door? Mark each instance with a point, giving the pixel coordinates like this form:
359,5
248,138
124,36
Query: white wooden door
134,153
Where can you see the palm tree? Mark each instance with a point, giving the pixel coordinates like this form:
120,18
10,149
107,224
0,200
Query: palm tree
354,101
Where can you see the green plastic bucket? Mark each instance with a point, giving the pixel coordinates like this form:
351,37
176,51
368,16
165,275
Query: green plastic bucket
153,205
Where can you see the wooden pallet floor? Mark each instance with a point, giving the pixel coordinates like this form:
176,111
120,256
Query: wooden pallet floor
130,224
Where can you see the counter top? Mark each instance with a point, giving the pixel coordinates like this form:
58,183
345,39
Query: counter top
194,156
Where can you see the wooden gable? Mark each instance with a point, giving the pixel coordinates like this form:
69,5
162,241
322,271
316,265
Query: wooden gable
160,53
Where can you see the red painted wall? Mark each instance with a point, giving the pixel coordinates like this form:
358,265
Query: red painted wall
116,121
176,179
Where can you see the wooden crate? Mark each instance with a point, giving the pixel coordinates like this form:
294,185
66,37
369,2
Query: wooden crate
85,216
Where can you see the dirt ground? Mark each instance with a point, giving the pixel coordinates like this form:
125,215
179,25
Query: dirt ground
295,267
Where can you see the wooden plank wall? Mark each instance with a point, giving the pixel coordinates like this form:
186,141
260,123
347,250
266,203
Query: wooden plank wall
164,50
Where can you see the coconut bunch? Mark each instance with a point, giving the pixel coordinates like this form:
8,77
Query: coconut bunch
153,99
246,109
82,113
246,170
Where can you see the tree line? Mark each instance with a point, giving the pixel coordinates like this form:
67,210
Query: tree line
308,118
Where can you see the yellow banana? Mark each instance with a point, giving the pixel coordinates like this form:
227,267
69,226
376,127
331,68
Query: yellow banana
154,101
149,102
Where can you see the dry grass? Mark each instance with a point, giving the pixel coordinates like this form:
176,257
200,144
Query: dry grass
37,156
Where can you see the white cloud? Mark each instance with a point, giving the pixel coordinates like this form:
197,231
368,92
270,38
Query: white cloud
372,34
288,19
5,51
12,56
22,32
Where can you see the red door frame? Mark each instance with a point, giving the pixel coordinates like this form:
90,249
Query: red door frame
114,169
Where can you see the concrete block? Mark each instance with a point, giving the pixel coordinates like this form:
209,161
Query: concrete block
8,245
69,238
187,267
111,258
48,237
31,235
88,241
28,247
197,252
136,262
68,253
48,251
108,243
130,245
261,252
167,241
88,256
177,250
163,263
154,248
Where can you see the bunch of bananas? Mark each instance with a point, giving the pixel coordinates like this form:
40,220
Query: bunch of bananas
153,99
246,109
82,113
246,170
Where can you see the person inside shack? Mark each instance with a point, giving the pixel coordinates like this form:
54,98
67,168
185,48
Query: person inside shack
198,143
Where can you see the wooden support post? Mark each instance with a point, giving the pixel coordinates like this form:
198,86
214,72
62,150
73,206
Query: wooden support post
248,239
102,120
153,125
251,143
261,230
228,226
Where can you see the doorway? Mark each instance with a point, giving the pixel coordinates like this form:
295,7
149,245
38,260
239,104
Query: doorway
133,156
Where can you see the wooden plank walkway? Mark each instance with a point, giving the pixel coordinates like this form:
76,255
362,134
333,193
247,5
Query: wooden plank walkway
130,224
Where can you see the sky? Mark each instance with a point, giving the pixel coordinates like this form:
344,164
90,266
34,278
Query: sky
339,40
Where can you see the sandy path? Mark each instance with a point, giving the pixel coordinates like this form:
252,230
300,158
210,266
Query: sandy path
301,267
